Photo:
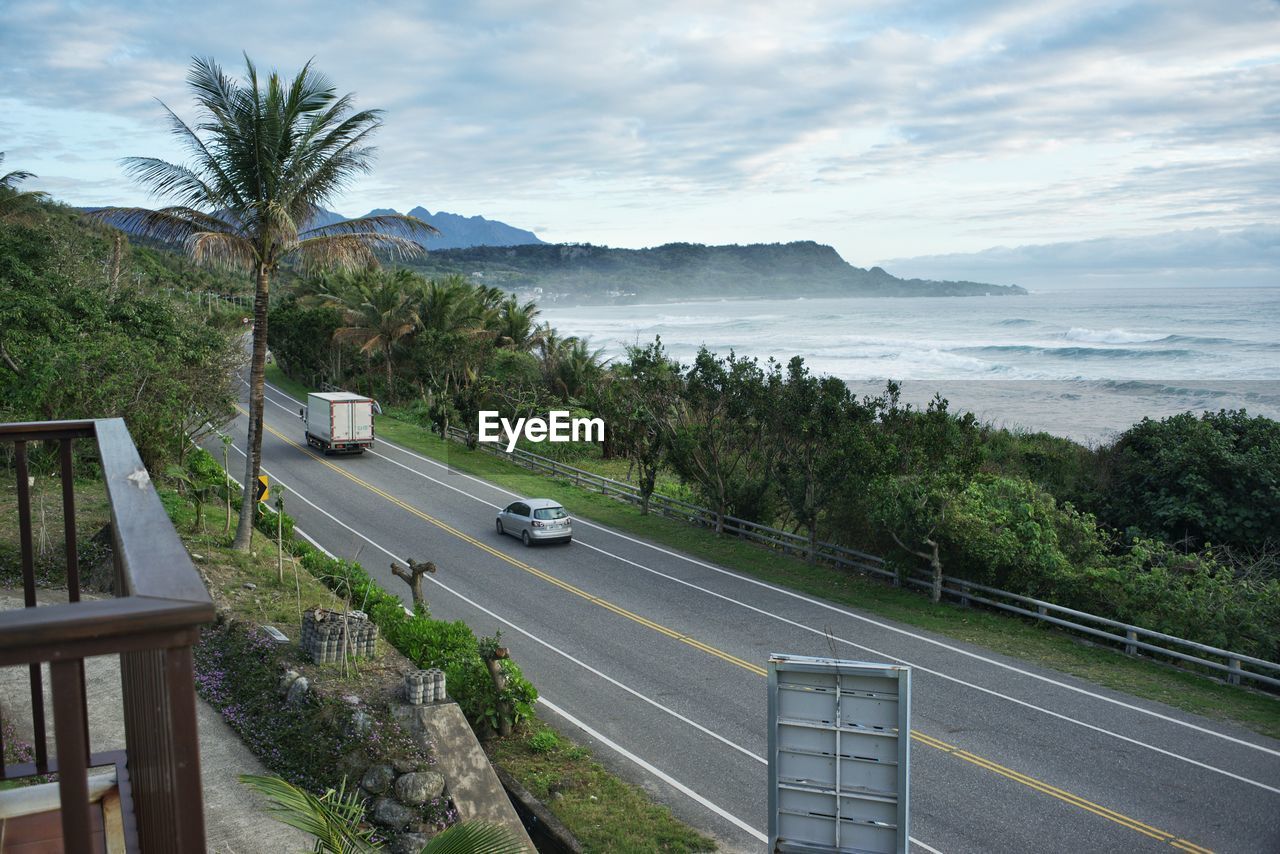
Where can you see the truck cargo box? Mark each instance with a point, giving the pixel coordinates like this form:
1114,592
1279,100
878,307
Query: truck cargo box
339,422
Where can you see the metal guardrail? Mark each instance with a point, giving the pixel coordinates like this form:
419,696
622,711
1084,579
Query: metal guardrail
1132,639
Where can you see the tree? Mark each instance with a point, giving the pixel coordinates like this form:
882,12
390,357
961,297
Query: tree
379,310
716,433
15,203
266,156
1195,480
809,420
640,399
517,326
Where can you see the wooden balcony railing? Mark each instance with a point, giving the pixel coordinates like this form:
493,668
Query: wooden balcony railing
151,624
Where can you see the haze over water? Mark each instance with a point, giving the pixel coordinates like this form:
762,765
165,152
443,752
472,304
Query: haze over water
1083,364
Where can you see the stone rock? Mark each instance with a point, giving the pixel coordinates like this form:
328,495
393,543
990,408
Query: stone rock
404,764
361,722
353,764
392,814
378,779
298,690
249,585
418,787
286,681
410,843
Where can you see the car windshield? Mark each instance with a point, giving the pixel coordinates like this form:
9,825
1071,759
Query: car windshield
550,513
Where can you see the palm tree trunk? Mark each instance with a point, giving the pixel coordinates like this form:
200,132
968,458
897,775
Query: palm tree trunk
257,377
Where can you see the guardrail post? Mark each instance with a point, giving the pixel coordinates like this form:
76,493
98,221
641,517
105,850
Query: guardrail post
1131,636
1233,676
964,593
1042,610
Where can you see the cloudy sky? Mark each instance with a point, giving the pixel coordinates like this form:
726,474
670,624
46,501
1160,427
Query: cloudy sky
888,130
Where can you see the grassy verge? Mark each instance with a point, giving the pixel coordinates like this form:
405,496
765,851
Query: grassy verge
605,813
1030,641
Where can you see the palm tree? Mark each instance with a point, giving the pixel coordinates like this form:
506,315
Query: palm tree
14,202
335,821
517,326
378,309
265,158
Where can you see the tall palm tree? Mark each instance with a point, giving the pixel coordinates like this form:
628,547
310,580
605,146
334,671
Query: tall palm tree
378,309
517,325
15,202
265,158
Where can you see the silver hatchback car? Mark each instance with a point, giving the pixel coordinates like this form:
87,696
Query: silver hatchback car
535,520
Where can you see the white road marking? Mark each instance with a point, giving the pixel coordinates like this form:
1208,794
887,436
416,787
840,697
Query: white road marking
662,775
844,612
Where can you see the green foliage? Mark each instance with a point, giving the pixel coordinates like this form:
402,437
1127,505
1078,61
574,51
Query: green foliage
336,821
80,338
450,646
237,670
1213,479
544,741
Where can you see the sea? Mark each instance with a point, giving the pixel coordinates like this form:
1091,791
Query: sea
1085,364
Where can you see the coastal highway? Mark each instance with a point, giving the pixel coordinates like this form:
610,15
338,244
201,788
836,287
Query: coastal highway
657,660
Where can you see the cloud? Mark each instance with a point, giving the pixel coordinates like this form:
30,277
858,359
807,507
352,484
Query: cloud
1242,258
835,111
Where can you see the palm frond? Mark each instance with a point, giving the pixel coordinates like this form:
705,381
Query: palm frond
221,249
353,251
474,837
401,225
170,225
334,819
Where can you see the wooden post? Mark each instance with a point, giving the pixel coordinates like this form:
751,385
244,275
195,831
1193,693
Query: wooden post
413,577
505,712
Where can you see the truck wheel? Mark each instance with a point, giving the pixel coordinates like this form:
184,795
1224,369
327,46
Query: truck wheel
524,537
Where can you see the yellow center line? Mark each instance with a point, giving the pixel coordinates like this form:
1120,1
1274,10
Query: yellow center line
973,759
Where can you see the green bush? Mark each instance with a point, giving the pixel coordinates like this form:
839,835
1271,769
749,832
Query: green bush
1212,479
237,671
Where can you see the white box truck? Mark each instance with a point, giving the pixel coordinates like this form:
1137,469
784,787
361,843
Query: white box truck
339,422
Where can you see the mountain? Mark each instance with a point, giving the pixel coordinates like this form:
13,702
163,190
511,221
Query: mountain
678,271
456,231
1243,257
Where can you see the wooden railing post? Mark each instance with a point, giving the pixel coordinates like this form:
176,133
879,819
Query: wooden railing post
73,752
164,755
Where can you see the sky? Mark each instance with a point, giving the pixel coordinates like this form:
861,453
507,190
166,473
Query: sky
924,136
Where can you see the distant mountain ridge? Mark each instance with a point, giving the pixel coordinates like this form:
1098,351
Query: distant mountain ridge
678,271
456,231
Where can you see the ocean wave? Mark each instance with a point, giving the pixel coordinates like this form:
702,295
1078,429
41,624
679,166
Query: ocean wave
1111,336
1077,352
1017,321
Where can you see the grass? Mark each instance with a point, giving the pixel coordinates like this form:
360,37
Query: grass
605,813
48,543
1032,642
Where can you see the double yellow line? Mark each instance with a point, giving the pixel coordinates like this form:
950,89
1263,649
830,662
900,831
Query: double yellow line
974,759
1060,794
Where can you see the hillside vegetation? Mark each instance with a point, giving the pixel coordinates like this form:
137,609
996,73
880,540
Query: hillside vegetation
587,273
1173,527
92,327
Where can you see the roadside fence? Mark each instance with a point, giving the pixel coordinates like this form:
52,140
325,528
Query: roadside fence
1234,665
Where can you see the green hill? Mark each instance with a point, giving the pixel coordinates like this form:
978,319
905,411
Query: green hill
677,271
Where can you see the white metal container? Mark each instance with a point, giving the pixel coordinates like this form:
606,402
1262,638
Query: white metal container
339,422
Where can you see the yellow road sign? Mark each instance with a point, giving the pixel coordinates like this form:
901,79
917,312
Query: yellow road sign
260,491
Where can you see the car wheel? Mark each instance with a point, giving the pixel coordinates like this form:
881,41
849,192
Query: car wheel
500,531
568,540
524,537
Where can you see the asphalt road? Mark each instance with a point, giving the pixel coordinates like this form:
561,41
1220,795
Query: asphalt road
657,660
